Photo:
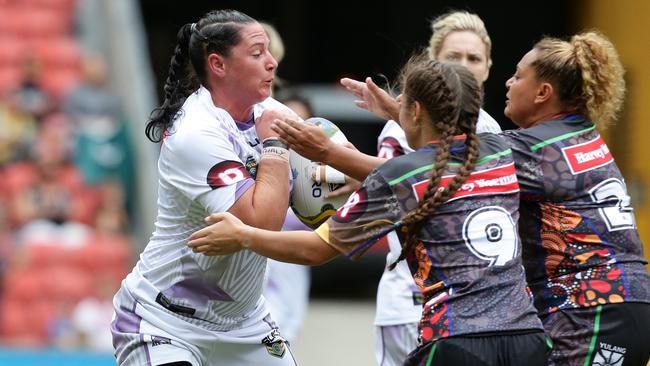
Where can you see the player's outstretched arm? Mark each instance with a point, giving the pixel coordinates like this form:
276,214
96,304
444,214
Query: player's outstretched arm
228,234
372,98
311,142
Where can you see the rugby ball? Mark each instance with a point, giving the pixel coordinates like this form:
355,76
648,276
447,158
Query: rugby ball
308,200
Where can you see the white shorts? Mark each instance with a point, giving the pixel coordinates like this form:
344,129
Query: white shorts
139,339
394,342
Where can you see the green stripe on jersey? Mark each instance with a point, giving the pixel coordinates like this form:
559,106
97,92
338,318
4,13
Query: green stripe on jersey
433,351
558,138
430,166
594,336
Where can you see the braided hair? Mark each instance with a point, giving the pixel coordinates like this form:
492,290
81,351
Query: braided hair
215,32
452,98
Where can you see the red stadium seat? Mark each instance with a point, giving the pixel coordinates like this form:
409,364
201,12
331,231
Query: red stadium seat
18,325
12,52
66,284
10,79
38,22
59,83
9,24
109,252
46,255
25,285
58,52
63,5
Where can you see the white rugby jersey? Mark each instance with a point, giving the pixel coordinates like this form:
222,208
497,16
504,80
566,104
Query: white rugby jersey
398,297
207,161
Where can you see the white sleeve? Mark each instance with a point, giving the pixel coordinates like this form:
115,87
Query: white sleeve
203,164
392,141
486,123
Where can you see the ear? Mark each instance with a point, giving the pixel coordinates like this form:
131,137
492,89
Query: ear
216,64
545,92
416,109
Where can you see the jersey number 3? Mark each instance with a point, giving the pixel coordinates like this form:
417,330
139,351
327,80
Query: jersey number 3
491,234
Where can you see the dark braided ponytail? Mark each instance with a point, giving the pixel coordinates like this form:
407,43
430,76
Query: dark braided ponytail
216,32
452,98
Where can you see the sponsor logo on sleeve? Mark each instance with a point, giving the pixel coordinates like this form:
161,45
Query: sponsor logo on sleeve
390,148
226,173
353,208
498,180
587,156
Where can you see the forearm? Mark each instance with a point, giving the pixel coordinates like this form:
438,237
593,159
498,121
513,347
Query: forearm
301,247
352,162
270,197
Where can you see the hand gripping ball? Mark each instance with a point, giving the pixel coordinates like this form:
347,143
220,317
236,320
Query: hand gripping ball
308,195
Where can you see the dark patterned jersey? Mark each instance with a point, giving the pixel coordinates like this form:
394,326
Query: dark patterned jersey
468,258
581,246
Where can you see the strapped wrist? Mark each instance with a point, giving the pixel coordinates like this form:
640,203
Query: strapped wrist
273,148
273,142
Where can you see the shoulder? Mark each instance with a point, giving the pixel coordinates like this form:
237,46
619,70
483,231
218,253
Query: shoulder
198,130
548,132
486,123
490,143
270,103
405,164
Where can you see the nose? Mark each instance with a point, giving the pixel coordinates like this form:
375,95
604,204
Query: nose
508,83
272,63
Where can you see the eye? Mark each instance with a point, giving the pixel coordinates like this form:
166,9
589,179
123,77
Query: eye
475,59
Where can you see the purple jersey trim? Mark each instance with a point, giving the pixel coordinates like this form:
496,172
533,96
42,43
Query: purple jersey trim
243,126
198,291
243,186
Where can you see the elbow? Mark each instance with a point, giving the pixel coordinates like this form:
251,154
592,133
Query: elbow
315,261
318,257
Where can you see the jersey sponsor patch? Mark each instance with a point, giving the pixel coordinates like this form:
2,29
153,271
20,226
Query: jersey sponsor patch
158,340
587,156
498,180
353,208
226,173
609,355
390,148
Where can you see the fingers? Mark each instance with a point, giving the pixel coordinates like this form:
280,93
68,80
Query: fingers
208,250
212,219
361,104
287,128
216,217
200,234
371,84
339,192
357,88
284,141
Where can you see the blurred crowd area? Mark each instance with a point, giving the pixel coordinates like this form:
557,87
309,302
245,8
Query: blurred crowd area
66,168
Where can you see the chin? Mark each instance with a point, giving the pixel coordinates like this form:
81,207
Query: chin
265,94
